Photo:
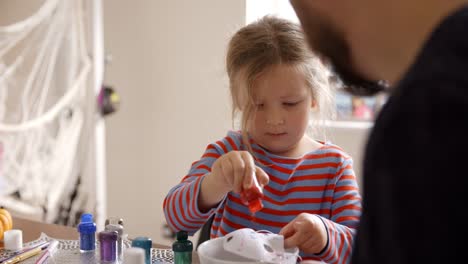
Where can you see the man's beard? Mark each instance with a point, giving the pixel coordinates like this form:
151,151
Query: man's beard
329,43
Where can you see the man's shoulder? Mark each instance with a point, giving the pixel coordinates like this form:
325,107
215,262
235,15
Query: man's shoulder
444,57
440,70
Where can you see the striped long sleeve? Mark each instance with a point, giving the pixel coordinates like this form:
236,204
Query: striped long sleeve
181,203
321,182
344,217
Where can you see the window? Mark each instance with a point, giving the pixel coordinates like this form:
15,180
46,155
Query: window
349,108
259,8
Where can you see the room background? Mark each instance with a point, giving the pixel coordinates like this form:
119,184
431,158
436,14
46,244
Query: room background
166,61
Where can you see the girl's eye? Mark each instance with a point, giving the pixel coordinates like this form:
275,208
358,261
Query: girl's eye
290,103
259,105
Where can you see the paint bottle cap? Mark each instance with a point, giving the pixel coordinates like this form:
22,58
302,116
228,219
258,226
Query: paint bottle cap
13,239
114,221
87,226
134,255
182,244
105,236
142,242
86,218
145,243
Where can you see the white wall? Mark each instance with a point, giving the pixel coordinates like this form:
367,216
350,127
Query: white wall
12,11
168,67
352,138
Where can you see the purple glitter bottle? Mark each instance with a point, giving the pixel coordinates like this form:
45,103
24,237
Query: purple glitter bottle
108,246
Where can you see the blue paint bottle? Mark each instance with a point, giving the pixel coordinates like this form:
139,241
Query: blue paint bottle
146,244
87,230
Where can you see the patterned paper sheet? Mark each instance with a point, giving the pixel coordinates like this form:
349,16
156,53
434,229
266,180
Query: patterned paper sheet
69,252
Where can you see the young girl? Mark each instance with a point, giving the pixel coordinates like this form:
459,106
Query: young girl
310,193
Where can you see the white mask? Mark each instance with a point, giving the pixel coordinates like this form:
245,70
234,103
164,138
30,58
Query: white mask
259,246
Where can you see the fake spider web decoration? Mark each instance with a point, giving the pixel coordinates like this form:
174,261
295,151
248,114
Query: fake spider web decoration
44,107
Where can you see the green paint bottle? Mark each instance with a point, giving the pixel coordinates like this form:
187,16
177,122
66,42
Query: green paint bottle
182,249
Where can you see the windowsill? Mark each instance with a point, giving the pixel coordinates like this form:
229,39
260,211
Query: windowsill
349,124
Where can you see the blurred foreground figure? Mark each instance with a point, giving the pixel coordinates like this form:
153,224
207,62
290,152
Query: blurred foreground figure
413,178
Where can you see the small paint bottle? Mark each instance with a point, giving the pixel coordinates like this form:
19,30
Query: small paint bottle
87,230
119,229
146,244
13,239
108,246
182,249
134,255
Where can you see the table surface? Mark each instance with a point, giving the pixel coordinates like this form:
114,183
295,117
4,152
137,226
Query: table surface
33,229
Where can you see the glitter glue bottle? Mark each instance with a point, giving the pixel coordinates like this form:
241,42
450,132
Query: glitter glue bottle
108,246
119,229
182,249
146,244
87,230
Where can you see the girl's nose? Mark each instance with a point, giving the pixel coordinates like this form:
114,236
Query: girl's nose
275,122
275,118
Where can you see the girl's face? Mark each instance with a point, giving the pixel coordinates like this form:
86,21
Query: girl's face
283,103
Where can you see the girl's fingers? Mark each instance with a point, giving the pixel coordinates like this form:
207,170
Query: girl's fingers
238,166
300,233
287,230
226,170
239,170
297,239
249,172
262,176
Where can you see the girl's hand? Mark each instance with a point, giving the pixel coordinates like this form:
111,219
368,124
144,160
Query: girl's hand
236,171
307,232
233,171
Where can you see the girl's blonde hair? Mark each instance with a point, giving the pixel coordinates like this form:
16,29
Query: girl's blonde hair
267,42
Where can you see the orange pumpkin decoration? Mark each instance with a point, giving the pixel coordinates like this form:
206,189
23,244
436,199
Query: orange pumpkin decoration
6,221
